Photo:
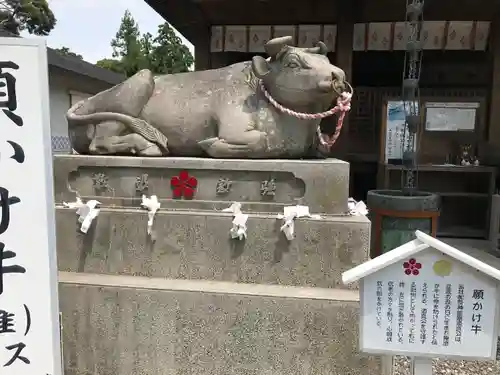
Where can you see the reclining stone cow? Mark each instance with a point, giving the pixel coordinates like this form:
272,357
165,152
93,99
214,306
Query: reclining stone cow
257,109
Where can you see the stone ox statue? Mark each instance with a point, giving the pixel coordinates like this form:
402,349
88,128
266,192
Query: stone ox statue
266,108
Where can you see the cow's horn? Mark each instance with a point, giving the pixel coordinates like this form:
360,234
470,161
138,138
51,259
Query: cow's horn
320,48
274,46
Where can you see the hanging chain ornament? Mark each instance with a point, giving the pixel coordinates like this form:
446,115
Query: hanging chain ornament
411,93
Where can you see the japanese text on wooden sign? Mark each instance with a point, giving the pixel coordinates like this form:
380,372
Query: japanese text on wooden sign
429,305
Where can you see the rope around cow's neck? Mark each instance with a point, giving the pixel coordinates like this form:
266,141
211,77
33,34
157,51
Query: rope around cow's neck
343,106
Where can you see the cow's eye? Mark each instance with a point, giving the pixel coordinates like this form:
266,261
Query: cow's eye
293,64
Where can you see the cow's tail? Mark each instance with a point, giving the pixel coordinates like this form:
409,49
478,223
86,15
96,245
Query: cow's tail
136,125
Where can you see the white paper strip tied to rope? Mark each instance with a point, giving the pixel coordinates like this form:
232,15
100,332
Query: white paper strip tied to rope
239,228
357,208
86,212
152,205
290,213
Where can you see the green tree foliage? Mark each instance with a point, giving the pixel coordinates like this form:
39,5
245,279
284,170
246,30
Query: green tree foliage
126,45
33,16
65,51
146,50
163,53
169,54
111,64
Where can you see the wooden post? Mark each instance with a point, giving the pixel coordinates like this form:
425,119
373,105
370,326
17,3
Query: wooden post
494,222
494,118
421,366
201,42
387,365
343,52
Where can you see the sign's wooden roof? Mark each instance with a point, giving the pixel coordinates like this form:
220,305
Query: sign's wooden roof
481,261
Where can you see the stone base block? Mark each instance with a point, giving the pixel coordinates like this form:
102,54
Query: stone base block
197,245
127,331
260,185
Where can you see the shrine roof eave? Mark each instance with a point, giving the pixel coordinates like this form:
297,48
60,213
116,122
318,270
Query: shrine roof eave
479,260
184,15
188,15
76,65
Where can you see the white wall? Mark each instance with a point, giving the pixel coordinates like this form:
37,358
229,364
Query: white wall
59,105
62,87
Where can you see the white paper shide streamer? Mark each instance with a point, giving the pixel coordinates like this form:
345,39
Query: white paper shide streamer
290,213
152,205
357,208
86,212
239,228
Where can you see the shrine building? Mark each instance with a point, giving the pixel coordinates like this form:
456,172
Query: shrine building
460,71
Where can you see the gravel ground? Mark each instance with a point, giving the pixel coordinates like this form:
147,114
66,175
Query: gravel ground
442,367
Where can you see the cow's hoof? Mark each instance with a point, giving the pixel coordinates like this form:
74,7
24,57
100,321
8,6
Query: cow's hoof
207,143
219,148
152,150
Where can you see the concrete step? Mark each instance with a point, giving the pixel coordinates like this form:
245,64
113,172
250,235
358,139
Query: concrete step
122,325
196,245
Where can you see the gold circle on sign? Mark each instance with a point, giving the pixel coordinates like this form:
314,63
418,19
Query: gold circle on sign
442,268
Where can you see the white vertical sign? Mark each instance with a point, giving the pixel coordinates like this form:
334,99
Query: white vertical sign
29,320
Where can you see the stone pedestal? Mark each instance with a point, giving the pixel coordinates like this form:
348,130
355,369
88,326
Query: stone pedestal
194,301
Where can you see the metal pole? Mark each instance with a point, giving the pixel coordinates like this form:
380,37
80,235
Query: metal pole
410,93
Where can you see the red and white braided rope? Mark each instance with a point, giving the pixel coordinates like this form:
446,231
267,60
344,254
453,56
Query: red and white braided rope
343,106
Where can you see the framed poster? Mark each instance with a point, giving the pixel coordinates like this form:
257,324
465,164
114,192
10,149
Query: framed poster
393,137
447,116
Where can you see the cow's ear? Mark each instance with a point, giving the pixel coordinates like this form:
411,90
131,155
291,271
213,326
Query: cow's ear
260,66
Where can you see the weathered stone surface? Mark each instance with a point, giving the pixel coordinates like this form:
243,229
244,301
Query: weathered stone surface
196,245
118,331
122,326
246,110
323,185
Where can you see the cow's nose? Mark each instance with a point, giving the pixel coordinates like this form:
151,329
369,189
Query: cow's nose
338,82
338,74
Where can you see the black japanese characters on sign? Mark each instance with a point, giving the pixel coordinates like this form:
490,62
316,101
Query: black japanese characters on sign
8,104
435,314
379,303
15,268
447,315
413,302
390,314
460,314
8,326
423,315
8,320
477,307
5,202
401,312
18,152
18,348
8,97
